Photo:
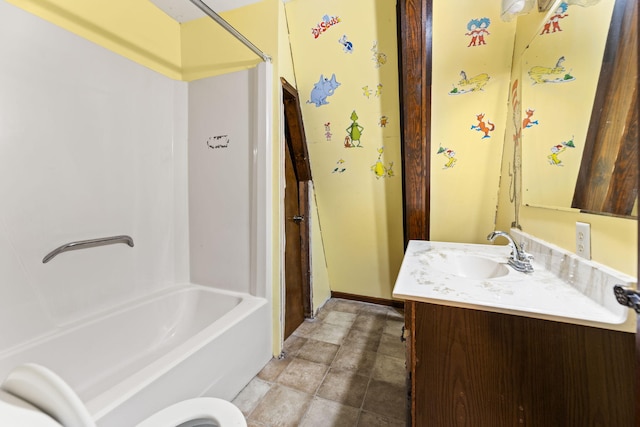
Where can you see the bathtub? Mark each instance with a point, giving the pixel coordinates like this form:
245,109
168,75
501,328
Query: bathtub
133,360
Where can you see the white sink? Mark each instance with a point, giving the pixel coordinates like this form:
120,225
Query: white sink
470,266
562,287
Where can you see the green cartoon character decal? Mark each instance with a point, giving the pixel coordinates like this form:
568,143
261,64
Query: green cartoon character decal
354,132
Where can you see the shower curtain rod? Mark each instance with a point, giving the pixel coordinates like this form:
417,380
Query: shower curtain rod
213,15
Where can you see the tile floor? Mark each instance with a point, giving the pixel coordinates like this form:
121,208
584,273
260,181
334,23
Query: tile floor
345,368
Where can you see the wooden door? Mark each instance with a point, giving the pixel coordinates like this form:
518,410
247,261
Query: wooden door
297,271
294,305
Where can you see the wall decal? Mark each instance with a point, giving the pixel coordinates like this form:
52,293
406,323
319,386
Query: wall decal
379,169
556,150
482,126
220,141
347,46
554,20
477,30
466,85
340,168
528,122
327,131
540,74
368,92
378,58
326,23
322,90
384,120
450,155
354,132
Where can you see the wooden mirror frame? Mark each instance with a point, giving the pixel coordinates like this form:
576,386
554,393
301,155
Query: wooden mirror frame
608,178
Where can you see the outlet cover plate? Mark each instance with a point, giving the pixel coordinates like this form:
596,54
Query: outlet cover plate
583,239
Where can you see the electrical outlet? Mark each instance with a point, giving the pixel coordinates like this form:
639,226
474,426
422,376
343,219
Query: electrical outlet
583,239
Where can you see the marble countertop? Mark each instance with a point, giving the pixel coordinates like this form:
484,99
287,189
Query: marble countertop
542,294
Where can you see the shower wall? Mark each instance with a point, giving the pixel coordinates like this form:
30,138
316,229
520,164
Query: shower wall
94,145
220,179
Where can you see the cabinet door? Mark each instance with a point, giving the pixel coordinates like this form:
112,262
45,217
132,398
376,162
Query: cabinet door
475,368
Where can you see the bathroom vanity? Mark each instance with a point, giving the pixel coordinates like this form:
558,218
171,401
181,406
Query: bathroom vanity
490,346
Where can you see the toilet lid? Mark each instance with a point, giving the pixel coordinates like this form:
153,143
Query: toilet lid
16,412
43,388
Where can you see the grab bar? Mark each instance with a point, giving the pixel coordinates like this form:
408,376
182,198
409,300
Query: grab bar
83,244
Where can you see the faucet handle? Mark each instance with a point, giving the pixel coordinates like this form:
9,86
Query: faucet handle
523,252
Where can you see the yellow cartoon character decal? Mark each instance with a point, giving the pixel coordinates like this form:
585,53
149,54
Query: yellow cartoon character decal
556,150
473,84
378,58
449,154
540,74
379,169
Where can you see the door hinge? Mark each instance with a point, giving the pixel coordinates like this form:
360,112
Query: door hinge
627,297
298,218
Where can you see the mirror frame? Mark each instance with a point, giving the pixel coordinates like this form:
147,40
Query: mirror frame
607,182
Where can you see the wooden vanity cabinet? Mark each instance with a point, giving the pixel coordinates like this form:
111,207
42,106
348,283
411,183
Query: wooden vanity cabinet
476,368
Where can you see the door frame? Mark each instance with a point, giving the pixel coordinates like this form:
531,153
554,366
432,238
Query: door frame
415,47
296,138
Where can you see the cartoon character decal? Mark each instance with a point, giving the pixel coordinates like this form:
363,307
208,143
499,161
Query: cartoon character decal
473,84
322,89
528,122
482,126
354,132
378,58
556,150
368,92
347,46
477,29
327,131
450,155
379,169
384,120
340,167
557,74
554,20
326,23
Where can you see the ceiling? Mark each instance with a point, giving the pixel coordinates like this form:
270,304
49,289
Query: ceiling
184,10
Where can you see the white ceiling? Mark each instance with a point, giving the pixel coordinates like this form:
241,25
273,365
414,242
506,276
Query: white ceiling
184,10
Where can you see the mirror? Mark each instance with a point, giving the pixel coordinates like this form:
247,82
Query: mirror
563,158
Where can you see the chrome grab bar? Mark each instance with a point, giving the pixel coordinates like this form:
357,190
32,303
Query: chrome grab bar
83,244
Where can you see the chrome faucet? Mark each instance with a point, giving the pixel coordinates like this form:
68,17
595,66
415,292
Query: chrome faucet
520,260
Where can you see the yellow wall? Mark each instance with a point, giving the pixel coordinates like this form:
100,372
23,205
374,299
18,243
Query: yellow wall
285,61
464,181
613,240
135,29
360,212
208,49
319,274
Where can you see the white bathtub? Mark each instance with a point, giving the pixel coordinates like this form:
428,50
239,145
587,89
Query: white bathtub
182,342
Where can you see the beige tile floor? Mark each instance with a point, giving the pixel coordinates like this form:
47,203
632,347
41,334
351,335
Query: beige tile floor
345,368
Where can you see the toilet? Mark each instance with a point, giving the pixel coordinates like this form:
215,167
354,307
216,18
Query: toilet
34,396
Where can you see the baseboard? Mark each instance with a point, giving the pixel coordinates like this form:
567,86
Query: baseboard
372,300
